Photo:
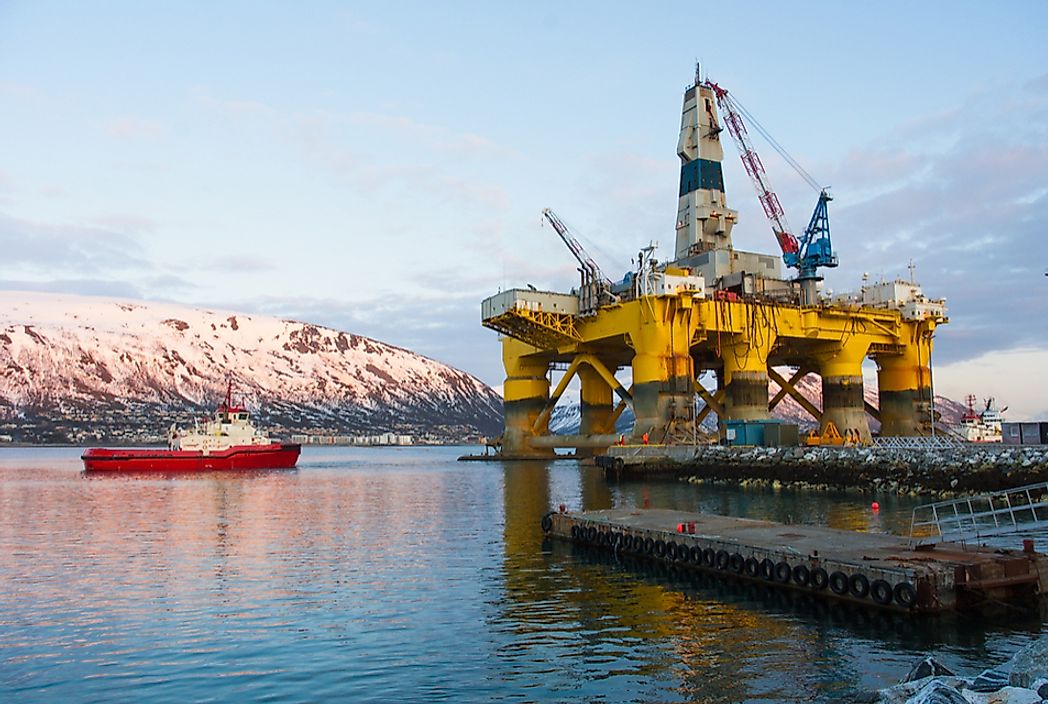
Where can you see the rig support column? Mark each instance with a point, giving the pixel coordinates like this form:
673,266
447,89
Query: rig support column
526,392
843,402
905,388
662,366
595,408
744,378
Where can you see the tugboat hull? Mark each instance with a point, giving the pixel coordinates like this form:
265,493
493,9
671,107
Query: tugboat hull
273,456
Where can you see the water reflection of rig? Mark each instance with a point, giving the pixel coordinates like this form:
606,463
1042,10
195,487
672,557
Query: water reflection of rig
713,308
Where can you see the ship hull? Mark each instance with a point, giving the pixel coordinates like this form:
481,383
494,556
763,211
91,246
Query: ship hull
273,456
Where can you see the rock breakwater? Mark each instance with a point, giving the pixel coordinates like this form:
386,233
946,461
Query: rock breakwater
959,469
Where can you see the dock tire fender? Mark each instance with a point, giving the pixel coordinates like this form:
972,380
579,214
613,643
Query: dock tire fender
660,549
591,534
783,572
737,562
723,558
696,555
819,579
905,595
881,592
801,575
859,586
839,583
628,543
709,557
547,522
649,546
574,532
767,569
671,551
615,539
602,538
617,463
753,568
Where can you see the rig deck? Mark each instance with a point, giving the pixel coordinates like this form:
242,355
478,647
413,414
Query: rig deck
883,571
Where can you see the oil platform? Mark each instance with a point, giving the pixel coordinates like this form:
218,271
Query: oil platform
713,308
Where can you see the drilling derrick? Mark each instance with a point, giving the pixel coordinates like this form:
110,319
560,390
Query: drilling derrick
712,309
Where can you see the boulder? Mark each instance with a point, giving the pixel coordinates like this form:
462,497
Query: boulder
928,667
1029,664
989,681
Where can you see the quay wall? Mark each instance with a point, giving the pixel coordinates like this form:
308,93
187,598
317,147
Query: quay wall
960,469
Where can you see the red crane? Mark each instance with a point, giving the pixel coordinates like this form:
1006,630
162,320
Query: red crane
769,201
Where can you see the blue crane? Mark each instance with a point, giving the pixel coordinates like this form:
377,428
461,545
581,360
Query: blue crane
813,250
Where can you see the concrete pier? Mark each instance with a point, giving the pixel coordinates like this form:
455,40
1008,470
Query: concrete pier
881,571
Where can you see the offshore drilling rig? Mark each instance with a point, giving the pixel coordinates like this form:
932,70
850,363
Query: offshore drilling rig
713,308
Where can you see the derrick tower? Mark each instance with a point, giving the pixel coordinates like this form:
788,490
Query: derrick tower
644,340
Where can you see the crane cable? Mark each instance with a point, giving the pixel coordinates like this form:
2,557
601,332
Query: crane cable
808,178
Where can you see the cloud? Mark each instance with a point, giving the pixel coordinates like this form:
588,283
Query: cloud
132,128
1009,375
81,287
962,193
52,248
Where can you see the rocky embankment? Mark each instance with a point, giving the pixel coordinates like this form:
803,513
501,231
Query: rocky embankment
960,469
1021,680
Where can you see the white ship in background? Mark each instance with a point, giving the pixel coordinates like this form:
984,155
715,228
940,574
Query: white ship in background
981,426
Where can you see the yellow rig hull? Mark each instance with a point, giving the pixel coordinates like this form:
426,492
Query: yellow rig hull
669,340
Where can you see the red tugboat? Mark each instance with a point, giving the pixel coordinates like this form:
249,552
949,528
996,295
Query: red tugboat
226,441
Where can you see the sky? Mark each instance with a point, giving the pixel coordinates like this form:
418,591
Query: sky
381,167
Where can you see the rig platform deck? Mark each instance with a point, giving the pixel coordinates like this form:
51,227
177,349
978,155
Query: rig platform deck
884,571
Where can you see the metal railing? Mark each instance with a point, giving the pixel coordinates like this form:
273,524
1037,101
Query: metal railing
925,442
1012,511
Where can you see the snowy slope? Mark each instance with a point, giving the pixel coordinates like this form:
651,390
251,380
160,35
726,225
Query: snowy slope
80,360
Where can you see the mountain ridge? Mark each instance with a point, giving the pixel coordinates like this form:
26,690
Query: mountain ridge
77,368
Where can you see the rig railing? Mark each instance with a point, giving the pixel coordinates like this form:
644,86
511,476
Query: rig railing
925,442
1012,511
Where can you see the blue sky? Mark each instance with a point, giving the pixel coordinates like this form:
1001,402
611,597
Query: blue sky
381,167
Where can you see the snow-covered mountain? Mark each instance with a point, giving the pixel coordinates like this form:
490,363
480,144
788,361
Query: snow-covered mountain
76,368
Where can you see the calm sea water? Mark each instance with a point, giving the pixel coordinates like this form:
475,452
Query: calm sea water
401,574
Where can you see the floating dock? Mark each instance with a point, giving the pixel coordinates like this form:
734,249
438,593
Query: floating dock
882,571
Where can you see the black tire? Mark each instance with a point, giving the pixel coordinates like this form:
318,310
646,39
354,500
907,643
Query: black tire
602,539
859,586
574,532
801,575
649,546
618,463
881,592
819,579
737,562
696,555
723,558
591,534
839,583
660,549
767,569
753,568
905,595
783,572
671,551
709,557
547,522
616,540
